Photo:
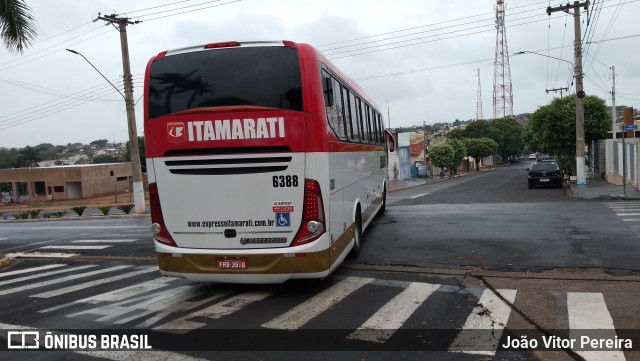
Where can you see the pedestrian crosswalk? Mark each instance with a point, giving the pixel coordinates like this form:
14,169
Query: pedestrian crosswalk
138,298
628,211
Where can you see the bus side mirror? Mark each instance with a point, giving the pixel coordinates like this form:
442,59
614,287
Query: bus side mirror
327,85
390,141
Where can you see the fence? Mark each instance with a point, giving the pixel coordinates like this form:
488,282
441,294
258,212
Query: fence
622,161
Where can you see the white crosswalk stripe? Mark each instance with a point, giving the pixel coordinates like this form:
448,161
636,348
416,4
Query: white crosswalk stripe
216,311
45,274
97,282
29,270
74,248
60,280
104,241
303,313
588,311
381,326
116,295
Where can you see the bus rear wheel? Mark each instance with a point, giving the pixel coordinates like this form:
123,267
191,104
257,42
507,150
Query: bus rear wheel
384,203
355,251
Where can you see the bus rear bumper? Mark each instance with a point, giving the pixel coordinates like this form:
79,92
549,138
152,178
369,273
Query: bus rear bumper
259,268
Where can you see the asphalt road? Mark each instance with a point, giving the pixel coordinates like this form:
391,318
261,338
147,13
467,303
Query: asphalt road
452,271
492,221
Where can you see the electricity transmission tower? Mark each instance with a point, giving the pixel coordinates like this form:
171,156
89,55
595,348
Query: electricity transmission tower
502,95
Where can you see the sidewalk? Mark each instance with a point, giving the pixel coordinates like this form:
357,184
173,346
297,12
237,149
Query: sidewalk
597,187
395,184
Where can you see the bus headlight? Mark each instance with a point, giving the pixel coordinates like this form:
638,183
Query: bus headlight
156,228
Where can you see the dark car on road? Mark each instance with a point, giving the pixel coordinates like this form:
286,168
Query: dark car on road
545,173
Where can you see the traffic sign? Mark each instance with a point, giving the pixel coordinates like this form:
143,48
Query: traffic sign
629,127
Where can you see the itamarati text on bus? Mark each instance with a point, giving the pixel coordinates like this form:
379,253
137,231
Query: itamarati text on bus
265,162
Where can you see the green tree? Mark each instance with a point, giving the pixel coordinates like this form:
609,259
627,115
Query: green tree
442,155
479,148
17,28
100,143
478,129
456,134
28,157
104,158
460,151
552,128
509,135
143,159
8,158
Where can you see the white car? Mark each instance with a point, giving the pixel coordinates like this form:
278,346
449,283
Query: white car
532,156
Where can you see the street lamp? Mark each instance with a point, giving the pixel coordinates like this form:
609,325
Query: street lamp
581,178
136,171
547,56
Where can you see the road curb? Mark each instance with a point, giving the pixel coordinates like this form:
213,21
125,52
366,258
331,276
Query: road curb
78,218
437,179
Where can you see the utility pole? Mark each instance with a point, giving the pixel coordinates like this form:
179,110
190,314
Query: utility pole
580,162
614,112
556,90
479,100
138,188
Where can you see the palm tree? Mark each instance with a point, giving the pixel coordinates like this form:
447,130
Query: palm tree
17,28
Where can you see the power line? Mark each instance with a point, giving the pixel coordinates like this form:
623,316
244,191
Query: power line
49,111
54,36
189,11
419,43
422,69
86,95
22,62
490,23
492,14
490,20
156,7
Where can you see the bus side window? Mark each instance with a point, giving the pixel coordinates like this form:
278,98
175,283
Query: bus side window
363,110
381,125
356,126
327,88
374,127
335,115
347,113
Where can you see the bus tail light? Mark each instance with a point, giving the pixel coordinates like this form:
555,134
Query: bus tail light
312,226
160,232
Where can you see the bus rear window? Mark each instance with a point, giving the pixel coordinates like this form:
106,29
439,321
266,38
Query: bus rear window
257,76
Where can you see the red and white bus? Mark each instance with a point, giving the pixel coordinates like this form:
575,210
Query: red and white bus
265,162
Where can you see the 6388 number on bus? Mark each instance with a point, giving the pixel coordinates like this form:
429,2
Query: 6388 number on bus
281,181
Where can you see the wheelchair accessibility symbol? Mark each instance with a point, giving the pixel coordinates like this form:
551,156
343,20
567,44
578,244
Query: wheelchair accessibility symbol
283,219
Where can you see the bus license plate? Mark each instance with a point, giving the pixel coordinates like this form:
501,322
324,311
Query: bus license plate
544,180
232,263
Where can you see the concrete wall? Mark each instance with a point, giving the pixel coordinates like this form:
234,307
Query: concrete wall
86,180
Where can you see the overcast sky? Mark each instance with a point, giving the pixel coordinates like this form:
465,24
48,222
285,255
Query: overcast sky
418,57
